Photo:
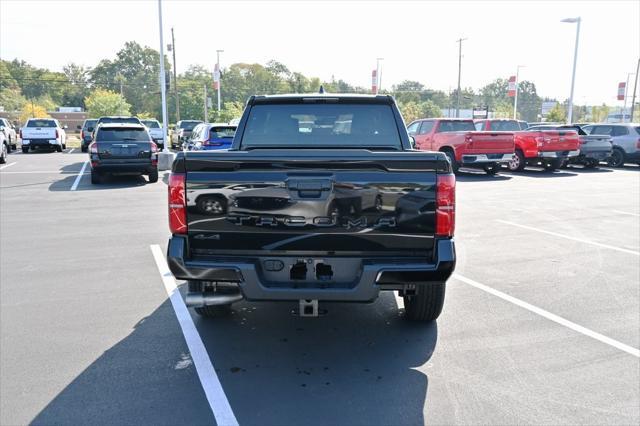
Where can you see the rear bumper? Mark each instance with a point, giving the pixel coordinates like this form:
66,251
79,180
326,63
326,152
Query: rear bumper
632,157
486,158
375,275
124,167
40,142
595,155
558,154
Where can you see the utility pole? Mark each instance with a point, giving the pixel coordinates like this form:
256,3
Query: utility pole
217,76
575,60
206,111
378,74
515,101
175,76
635,86
624,104
459,41
163,90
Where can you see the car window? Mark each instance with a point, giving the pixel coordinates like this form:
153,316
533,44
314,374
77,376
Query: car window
620,131
426,127
413,128
189,125
89,123
152,124
456,126
321,125
480,125
122,134
132,120
505,126
221,132
197,132
602,130
637,129
41,123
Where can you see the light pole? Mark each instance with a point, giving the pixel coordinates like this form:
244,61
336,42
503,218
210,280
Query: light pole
175,76
164,161
515,101
218,52
575,60
635,86
378,75
459,41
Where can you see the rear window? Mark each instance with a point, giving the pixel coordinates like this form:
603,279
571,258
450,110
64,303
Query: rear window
456,126
152,124
90,123
189,125
123,134
132,120
41,123
221,132
505,126
637,130
321,125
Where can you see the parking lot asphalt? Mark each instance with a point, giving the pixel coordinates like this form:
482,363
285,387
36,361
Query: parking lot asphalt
541,323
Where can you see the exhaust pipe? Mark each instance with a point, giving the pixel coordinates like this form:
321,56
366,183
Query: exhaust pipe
198,300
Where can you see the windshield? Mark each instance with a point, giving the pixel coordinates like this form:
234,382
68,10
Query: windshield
321,125
41,123
123,134
505,126
221,132
457,126
189,125
152,124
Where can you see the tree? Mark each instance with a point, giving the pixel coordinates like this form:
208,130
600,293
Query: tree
105,102
557,114
410,111
429,109
32,110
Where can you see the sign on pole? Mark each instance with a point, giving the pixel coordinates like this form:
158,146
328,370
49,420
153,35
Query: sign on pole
621,90
374,81
216,77
512,86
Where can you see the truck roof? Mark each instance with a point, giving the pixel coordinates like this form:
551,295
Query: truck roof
315,97
121,125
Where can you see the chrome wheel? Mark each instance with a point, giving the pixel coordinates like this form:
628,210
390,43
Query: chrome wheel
514,163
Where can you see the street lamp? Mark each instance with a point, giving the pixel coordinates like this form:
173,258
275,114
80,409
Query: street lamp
217,77
575,60
515,101
378,75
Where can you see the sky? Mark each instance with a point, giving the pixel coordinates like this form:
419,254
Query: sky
417,39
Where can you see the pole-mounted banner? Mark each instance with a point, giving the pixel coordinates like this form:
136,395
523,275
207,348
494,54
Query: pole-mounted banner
512,86
374,81
621,89
216,77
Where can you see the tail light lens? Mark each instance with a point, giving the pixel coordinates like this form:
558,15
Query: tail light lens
638,144
177,204
93,148
154,148
154,154
20,133
82,134
57,134
468,139
539,141
445,205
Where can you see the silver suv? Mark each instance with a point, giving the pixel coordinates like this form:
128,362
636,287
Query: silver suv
626,141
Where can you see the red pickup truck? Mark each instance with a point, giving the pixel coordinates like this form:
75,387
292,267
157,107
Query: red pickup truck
546,148
464,146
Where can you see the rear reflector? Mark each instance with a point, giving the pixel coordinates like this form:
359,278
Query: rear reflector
445,205
177,204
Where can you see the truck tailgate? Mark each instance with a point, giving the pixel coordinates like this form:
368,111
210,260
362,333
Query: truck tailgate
489,142
39,133
557,140
311,201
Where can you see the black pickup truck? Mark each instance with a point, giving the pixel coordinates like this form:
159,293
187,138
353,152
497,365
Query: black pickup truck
320,198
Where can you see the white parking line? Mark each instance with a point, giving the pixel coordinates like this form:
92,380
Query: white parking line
7,165
206,373
49,172
627,213
553,317
72,149
567,237
77,181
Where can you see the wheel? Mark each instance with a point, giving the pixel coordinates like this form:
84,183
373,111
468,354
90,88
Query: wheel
591,164
211,205
8,147
84,149
153,176
14,147
617,158
552,165
426,304
492,169
214,311
517,163
64,146
3,154
454,164
25,149
58,148
96,178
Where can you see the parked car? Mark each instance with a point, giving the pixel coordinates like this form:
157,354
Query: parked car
86,132
5,148
43,133
292,241
464,146
182,132
6,127
123,148
625,138
156,131
546,148
210,136
593,148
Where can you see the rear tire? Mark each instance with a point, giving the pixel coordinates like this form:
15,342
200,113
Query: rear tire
3,154
452,158
492,169
617,158
25,150
426,304
96,178
517,163
58,148
84,149
214,311
591,164
153,176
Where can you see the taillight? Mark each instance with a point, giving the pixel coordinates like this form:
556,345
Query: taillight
56,133
539,141
20,133
154,148
93,148
445,205
468,138
82,134
638,144
177,204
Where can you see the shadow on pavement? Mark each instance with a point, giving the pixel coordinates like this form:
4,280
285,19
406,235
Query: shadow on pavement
137,381
354,365
465,176
542,173
109,182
